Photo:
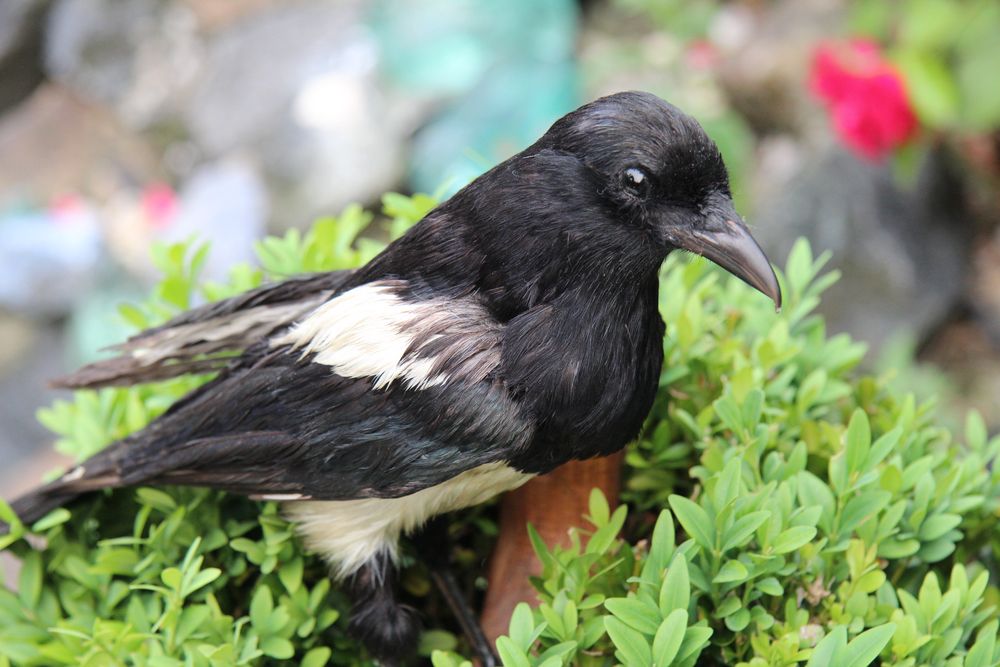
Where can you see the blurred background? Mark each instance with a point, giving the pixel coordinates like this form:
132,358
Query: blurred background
871,127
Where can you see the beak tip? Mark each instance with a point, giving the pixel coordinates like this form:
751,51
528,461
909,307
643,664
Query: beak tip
775,295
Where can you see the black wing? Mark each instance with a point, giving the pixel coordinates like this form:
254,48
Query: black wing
294,429
297,428
206,338
370,395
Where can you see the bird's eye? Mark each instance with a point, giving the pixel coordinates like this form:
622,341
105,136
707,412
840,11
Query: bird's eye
636,180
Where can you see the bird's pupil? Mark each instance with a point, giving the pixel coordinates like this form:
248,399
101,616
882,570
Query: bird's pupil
635,176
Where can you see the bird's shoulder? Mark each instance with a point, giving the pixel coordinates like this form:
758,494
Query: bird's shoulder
397,334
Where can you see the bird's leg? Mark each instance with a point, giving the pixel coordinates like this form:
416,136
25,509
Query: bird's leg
435,549
388,629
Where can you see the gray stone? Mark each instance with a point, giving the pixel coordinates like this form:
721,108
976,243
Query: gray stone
225,204
984,292
21,27
55,144
765,55
50,259
297,88
903,254
254,69
140,56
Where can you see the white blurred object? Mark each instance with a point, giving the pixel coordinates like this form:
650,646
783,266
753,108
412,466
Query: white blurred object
226,204
49,257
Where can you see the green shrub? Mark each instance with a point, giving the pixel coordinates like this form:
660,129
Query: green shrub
782,509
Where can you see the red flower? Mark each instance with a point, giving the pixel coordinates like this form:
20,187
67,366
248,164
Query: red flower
159,203
866,96
701,54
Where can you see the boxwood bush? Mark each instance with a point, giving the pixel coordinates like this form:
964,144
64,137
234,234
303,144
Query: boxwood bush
782,508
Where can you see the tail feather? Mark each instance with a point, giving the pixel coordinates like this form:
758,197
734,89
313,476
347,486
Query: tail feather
96,473
205,339
32,506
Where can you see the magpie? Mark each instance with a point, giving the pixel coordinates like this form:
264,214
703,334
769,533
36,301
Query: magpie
515,328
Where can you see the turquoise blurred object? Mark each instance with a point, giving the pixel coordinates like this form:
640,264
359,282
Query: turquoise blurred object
501,70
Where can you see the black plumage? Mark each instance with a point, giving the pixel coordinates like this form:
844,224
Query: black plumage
513,329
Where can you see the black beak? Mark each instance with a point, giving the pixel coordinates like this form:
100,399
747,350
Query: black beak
727,242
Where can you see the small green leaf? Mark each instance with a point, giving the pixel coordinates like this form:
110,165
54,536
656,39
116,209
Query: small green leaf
277,647
770,586
975,430
635,613
931,86
732,571
203,578
695,638
317,657
858,441
694,520
30,580
436,640
522,627
675,591
792,539
172,578
828,648
156,498
510,655
937,526
669,637
632,646
981,653
662,544
290,575
864,648
743,529
730,605
739,621
600,513
261,606
54,518
604,537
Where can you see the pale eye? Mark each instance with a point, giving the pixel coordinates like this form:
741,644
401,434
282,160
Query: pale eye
635,178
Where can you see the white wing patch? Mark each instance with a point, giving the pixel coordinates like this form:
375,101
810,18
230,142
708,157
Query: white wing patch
370,331
349,532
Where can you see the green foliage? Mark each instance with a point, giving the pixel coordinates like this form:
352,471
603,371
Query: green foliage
947,51
790,511
781,509
165,577
684,18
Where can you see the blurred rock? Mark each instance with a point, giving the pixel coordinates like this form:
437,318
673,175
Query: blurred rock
766,51
56,144
971,357
985,285
21,23
25,445
225,204
297,87
139,56
215,14
49,258
903,254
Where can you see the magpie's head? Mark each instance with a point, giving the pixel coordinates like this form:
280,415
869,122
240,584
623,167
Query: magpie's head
659,177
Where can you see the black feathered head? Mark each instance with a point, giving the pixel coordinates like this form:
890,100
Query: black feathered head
658,172
595,204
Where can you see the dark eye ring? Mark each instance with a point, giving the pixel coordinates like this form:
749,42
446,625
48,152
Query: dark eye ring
636,179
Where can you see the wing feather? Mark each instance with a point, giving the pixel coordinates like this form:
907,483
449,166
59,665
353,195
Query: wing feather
205,339
283,422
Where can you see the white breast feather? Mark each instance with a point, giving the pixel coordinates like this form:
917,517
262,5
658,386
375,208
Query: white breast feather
349,532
